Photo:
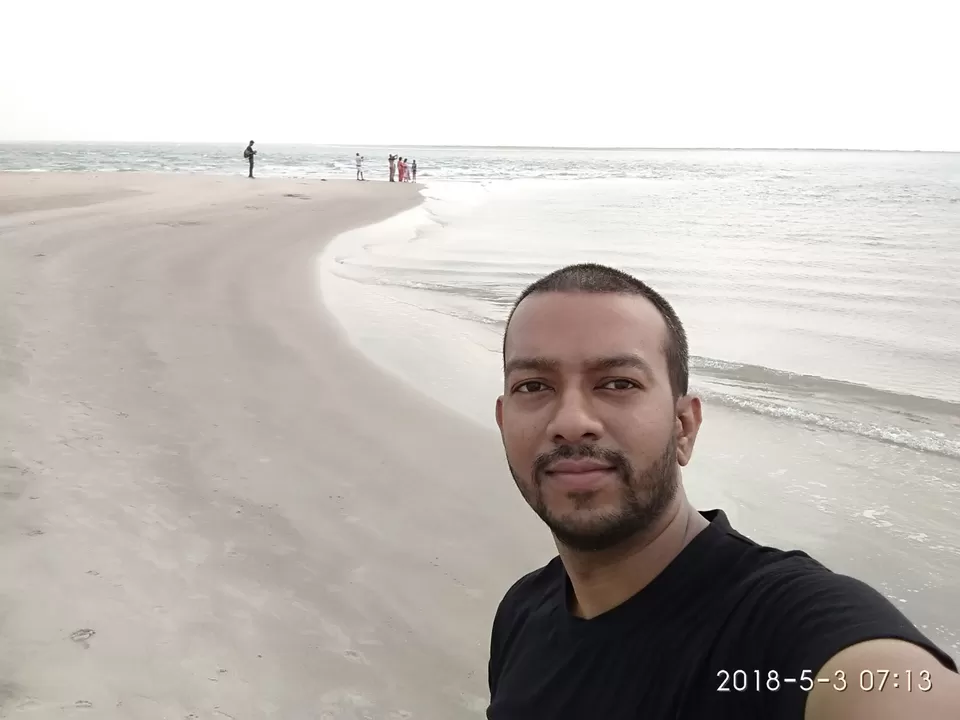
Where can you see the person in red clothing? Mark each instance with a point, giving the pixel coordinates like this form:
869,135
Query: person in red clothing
401,169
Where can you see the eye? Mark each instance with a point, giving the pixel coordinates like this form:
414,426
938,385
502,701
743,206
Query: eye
620,384
530,386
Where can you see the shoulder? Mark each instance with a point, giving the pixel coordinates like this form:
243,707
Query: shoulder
527,597
534,592
790,616
803,613
831,628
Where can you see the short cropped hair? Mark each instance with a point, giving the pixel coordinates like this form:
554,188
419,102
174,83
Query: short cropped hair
594,278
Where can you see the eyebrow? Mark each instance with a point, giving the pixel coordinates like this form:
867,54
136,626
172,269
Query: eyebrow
612,362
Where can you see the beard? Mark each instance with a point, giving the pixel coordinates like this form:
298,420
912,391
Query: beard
643,497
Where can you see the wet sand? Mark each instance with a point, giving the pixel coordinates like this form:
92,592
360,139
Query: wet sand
211,506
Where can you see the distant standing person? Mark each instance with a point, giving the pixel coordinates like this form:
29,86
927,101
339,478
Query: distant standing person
248,155
401,168
413,169
359,167
392,161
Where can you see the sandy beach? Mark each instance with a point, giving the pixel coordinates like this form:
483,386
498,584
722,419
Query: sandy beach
211,505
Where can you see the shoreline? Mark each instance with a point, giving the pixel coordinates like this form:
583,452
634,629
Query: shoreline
198,462
371,315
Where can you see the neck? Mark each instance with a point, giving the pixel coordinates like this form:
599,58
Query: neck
603,580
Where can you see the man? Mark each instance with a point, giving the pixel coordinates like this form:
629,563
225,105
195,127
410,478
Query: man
359,167
392,161
248,154
653,609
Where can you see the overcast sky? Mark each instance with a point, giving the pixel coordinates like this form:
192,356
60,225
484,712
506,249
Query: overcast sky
844,74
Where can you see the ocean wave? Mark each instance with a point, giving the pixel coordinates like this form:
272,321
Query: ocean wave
919,423
812,385
934,442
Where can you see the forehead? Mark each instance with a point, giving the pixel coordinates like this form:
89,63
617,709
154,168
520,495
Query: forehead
567,326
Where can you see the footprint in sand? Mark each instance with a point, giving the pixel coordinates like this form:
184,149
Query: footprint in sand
82,636
354,656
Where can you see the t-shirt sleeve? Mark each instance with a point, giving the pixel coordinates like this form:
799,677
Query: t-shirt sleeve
817,614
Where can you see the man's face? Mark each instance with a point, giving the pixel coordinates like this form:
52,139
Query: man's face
593,435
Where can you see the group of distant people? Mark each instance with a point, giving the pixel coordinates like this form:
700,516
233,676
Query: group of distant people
401,169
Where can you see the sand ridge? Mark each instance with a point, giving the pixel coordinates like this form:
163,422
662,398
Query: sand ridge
211,505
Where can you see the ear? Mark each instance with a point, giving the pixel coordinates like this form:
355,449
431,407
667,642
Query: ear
500,413
689,418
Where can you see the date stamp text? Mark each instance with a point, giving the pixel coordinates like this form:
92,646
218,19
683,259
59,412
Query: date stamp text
866,681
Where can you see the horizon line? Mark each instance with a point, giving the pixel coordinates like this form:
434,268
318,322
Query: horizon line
485,147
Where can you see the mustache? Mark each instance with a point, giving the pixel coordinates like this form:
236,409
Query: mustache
580,452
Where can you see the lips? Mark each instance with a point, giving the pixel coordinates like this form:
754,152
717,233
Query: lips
577,467
585,475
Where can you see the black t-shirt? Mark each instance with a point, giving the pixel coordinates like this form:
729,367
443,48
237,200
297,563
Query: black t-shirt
726,617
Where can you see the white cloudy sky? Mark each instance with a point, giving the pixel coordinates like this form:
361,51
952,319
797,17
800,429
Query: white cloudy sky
673,73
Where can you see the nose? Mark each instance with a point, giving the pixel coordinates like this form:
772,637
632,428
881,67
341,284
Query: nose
574,421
